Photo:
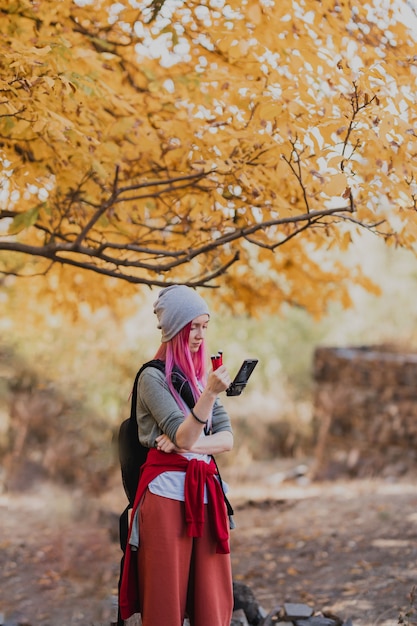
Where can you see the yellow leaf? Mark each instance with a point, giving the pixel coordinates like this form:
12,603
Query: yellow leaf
292,571
254,13
49,81
336,185
23,221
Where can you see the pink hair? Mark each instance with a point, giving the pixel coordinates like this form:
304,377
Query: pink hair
176,353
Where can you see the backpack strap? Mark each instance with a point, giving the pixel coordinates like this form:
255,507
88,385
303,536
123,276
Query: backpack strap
229,508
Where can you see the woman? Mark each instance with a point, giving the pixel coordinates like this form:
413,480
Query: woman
179,519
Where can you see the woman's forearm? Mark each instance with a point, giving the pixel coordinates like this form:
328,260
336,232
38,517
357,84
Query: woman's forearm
214,444
190,430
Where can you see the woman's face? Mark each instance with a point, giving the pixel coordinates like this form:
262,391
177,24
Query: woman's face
198,332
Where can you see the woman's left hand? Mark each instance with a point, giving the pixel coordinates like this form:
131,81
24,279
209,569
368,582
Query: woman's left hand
164,444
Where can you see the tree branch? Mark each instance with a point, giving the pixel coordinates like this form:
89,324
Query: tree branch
160,260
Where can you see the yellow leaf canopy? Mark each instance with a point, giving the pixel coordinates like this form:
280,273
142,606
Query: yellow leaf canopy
218,144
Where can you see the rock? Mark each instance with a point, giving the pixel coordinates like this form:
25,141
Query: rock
365,411
288,614
297,611
273,617
244,599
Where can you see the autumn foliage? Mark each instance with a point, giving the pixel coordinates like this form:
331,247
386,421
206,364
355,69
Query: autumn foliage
232,144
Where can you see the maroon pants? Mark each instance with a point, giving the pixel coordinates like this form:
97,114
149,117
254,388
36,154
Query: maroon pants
180,576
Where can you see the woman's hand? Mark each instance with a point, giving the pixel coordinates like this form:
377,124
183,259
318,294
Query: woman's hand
218,380
164,444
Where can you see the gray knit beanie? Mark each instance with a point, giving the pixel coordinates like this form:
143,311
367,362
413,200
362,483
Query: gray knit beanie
175,307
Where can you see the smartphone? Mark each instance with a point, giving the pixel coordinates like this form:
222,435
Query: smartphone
242,377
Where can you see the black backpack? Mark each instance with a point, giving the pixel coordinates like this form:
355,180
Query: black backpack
132,454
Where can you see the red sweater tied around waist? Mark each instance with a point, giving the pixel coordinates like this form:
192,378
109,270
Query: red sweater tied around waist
198,474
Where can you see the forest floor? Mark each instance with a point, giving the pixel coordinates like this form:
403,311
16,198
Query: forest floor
344,546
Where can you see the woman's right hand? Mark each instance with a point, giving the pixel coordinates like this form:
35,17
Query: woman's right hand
218,380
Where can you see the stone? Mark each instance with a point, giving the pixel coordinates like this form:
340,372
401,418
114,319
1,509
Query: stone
274,617
364,395
297,611
245,599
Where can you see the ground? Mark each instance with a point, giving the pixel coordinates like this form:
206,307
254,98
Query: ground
347,546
